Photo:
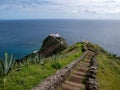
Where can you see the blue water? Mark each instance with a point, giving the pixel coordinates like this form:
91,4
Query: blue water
21,37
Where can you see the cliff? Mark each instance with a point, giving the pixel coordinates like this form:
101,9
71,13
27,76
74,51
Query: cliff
52,45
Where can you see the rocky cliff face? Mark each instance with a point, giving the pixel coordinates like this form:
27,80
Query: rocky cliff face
52,45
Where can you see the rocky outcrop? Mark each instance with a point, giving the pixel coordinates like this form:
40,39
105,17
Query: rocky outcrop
52,45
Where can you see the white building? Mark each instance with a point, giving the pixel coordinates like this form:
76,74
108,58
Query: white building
55,35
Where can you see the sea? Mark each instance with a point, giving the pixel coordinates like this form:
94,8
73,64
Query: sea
21,37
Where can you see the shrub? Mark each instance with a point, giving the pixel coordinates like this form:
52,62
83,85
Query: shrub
56,65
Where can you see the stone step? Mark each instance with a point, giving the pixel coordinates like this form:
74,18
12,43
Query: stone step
84,63
79,73
83,66
81,69
79,85
76,78
69,87
88,61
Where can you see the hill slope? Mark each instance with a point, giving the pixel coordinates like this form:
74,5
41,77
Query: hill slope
109,71
27,75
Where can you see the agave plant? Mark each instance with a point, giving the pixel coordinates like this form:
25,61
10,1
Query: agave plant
6,64
39,59
42,60
55,63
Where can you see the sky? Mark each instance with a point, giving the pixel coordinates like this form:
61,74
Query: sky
59,9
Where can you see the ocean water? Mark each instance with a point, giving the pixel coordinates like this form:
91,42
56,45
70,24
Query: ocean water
21,37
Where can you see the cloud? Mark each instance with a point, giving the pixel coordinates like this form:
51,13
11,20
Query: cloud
93,6
25,3
75,11
65,6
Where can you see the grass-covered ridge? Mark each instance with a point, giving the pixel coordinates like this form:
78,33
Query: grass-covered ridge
109,71
27,75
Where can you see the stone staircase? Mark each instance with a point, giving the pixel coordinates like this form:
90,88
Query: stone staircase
73,76
76,79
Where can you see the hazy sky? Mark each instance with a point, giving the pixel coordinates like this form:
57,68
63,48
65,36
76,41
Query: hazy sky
59,9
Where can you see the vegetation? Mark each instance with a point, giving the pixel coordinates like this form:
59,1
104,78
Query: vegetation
109,71
56,64
28,74
6,64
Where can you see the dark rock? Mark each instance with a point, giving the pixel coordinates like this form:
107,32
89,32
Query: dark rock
52,45
93,68
52,88
90,75
91,84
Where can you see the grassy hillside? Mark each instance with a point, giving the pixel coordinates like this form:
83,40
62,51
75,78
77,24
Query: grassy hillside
109,71
27,75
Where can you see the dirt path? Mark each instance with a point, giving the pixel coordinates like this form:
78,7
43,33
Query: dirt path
76,79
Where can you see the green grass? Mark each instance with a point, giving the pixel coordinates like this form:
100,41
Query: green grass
30,75
109,71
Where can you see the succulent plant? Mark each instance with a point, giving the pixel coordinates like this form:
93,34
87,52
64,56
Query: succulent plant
6,64
55,62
